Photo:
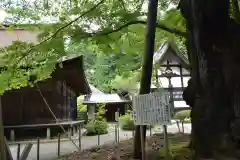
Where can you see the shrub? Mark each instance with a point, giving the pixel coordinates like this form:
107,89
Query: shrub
126,123
82,113
83,108
182,116
99,125
96,128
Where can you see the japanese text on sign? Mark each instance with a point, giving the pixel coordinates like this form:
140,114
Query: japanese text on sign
152,109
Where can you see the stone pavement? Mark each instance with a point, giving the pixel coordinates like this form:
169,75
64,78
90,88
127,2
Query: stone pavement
48,151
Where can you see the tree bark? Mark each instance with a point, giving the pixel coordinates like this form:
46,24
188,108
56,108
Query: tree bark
145,84
2,142
213,51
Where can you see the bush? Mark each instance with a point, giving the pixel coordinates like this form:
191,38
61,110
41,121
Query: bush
96,128
83,108
182,116
126,123
99,125
82,113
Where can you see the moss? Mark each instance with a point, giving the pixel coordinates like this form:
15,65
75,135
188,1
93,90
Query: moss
177,151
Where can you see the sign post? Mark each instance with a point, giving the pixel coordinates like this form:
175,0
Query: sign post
117,126
152,109
142,142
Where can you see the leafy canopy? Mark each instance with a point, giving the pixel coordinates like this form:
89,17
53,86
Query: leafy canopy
113,30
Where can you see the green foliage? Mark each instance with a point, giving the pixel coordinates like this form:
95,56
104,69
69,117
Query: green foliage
110,33
105,71
178,151
126,123
81,107
81,110
126,82
99,125
100,112
182,115
97,128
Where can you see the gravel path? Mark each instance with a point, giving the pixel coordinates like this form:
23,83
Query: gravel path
48,151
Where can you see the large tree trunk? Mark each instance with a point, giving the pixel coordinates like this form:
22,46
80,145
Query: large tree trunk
213,51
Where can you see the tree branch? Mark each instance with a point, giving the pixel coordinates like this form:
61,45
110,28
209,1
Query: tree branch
160,26
58,30
70,23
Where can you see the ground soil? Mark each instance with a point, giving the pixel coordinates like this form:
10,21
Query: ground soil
123,150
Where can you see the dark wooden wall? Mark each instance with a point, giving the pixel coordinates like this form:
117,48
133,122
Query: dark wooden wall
26,106
112,108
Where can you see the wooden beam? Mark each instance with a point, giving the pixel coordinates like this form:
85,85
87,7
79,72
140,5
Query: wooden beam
171,65
8,151
26,151
181,75
184,75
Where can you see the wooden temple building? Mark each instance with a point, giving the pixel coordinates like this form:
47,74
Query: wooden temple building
112,102
28,107
168,57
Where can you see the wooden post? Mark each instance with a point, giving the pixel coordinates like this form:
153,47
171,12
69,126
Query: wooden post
145,83
69,132
2,142
181,74
18,151
80,138
150,130
75,130
116,133
133,132
117,125
166,141
8,151
48,133
38,148
58,149
142,143
12,135
26,151
98,139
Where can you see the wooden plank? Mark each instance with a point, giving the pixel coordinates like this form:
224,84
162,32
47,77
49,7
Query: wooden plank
8,151
26,151
181,75
70,123
184,75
